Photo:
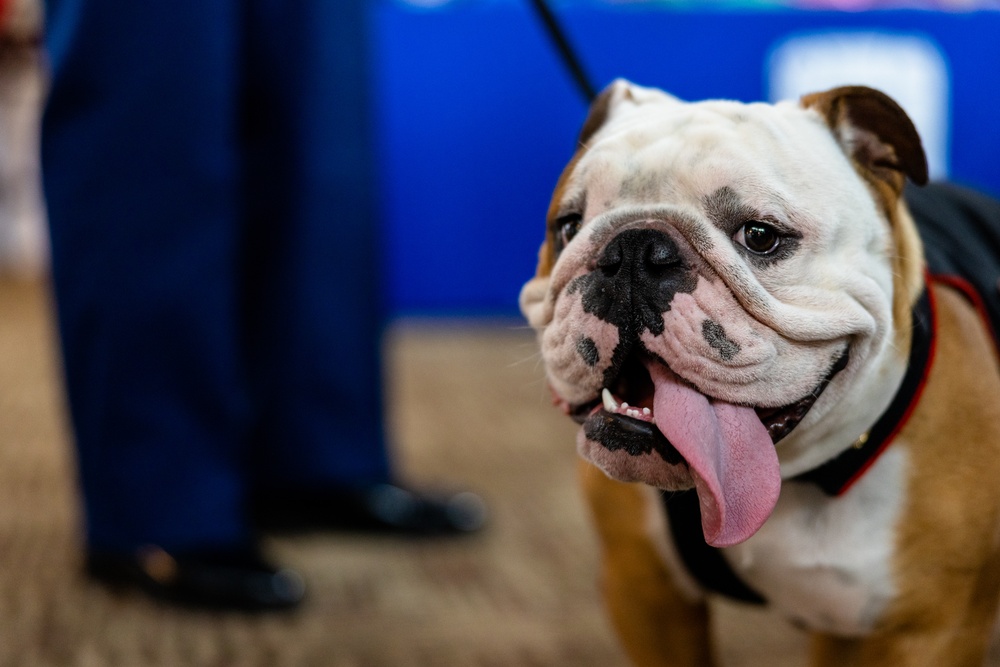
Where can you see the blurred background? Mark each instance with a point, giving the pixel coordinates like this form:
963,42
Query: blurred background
476,116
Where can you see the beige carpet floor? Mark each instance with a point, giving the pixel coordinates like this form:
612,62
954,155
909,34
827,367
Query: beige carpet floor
469,407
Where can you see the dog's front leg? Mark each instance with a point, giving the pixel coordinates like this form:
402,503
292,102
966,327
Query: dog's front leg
657,626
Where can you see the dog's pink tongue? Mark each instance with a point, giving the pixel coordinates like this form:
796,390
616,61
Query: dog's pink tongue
729,452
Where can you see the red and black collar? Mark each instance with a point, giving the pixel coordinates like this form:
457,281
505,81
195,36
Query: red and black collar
837,475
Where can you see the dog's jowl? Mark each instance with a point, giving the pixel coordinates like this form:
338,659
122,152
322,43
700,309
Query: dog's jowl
781,396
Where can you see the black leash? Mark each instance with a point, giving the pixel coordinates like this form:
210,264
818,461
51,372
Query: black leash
569,57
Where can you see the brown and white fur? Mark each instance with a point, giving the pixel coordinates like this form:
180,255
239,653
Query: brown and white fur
902,569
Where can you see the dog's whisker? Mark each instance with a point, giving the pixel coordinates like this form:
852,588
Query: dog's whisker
533,358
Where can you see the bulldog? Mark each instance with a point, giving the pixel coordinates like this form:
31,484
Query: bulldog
777,401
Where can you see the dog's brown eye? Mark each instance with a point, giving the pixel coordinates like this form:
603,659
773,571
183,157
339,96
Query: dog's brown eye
758,237
568,226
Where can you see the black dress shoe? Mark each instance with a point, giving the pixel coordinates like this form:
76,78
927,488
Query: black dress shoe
233,580
380,508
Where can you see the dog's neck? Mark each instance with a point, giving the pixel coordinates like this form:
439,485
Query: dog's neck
838,474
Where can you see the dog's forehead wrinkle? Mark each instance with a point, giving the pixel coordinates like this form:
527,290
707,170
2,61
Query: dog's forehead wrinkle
641,184
714,122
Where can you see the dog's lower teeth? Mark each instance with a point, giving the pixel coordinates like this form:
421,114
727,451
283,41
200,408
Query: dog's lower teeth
612,406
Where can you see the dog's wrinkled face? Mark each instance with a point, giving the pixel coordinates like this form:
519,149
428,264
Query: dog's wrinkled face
709,269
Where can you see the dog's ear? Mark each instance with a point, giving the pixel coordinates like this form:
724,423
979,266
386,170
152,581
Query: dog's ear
875,133
598,113
617,94
880,139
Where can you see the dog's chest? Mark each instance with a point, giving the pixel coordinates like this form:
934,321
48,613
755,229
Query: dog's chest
824,562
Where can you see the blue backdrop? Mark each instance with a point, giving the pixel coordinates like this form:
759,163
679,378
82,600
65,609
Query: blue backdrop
476,116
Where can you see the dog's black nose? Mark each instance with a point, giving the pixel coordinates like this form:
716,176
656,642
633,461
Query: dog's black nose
637,275
640,256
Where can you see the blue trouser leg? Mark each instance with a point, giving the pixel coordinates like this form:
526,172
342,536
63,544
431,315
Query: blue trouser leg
314,304
142,186
211,293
